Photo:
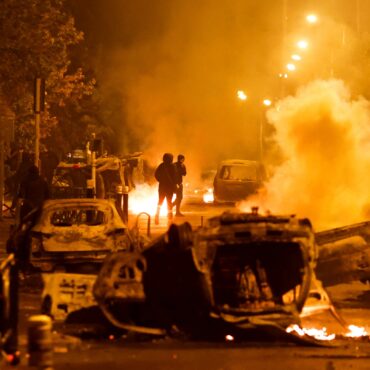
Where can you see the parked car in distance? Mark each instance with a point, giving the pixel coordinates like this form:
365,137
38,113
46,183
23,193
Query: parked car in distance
236,179
70,235
195,192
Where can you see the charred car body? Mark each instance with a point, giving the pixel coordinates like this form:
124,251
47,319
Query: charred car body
69,234
71,177
237,179
242,273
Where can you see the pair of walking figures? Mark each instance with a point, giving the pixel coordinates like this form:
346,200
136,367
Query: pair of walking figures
169,176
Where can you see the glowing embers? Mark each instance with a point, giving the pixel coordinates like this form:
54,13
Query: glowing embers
208,196
322,334
319,334
145,199
356,332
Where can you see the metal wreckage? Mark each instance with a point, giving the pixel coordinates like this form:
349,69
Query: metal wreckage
243,276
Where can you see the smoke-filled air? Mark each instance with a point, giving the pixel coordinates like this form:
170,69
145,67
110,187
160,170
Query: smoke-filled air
324,137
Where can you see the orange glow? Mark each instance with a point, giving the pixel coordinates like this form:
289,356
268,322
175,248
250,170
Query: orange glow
242,95
302,44
145,199
356,332
208,197
311,18
319,334
322,334
296,57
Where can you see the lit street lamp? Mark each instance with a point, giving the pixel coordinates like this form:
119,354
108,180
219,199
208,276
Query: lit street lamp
242,95
291,67
312,18
302,44
296,57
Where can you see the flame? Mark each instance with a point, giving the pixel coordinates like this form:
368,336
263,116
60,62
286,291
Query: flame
356,332
322,334
208,196
319,334
145,199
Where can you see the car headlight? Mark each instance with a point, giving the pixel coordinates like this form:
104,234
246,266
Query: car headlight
36,245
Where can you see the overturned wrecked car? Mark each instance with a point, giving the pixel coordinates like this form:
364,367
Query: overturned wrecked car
70,235
242,274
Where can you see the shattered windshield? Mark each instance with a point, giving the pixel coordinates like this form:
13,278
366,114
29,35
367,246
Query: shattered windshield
243,173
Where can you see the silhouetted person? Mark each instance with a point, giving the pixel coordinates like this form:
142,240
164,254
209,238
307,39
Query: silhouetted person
180,171
33,190
165,175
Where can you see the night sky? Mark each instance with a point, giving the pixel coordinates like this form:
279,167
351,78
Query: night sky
175,66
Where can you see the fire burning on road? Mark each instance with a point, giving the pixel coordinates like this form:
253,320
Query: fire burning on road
145,199
322,334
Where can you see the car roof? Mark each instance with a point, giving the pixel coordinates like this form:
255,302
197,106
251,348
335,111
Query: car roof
245,162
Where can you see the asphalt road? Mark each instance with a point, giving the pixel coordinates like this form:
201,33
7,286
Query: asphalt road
110,351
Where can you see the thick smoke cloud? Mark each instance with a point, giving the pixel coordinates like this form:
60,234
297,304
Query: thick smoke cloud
179,84
324,137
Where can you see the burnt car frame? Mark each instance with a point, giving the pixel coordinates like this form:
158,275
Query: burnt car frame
241,274
70,235
237,179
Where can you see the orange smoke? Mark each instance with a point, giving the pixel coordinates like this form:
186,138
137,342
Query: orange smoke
324,137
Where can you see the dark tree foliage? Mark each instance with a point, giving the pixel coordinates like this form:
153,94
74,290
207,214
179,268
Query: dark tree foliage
39,38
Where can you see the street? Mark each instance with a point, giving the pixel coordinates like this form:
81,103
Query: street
94,349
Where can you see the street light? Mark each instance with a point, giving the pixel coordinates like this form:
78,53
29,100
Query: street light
312,18
296,57
267,102
302,44
242,95
291,67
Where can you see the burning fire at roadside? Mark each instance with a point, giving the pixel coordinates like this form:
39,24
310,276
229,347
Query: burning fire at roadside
322,334
145,199
208,196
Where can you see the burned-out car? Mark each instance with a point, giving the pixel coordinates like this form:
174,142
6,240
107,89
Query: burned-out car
9,310
241,274
70,235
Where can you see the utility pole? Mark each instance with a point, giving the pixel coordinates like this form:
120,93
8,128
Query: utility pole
6,135
2,179
284,26
39,98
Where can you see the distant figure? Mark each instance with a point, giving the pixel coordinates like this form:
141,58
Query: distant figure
180,171
33,190
165,175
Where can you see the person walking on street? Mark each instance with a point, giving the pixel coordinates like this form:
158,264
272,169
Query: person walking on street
33,190
166,176
180,171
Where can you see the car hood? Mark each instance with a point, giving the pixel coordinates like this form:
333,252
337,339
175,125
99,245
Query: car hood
78,239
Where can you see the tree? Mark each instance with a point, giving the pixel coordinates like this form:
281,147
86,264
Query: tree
37,38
